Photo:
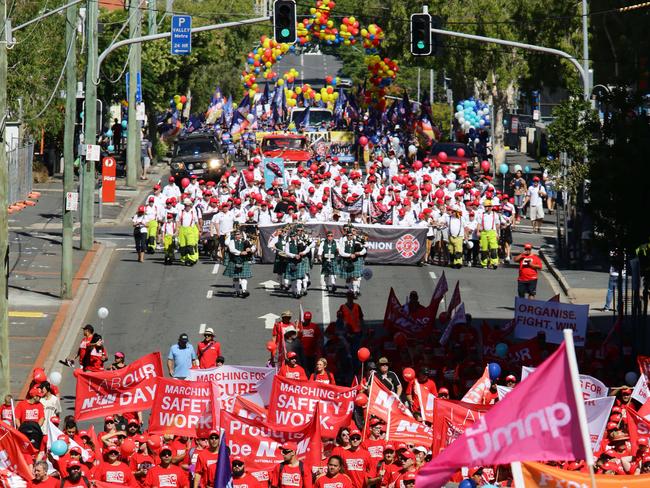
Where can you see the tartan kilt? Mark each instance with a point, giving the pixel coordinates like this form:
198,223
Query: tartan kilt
295,270
330,267
245,271
279,265
350,268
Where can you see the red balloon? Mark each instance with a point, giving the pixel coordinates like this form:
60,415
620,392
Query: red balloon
183,99
363,140
460,152
408,374
442,156
154,442
363,354
271,346
128,447
400,339
39,375
361,400
439,193
314,167
185,182
443,317
417,165
485,165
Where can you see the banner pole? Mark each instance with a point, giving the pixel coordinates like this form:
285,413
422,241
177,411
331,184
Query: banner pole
517,474
580,404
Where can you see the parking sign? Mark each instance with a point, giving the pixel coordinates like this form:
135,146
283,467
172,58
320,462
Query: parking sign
181,34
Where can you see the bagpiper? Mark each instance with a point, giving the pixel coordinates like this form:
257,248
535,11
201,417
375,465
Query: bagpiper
240,253
296,270
328,255
277,242
309,245
351,251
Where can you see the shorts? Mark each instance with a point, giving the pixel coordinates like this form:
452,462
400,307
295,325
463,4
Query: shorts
537,212
526,288
146,162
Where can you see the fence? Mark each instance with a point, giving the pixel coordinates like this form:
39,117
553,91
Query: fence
20,172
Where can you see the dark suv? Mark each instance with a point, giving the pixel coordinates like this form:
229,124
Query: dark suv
197,154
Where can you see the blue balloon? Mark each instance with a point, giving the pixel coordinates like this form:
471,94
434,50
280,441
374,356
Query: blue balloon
459,108
495,371
527,169
503,168
111,148
501,349
109,133
468,483
59,448
124,124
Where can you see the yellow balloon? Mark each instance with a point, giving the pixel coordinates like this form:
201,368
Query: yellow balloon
317,97
266,43
298,90
280,82
335,95
179,106
372,28
364,32
177,98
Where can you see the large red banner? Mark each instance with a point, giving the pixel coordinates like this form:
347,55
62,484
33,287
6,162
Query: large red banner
183,408
414,323
293,403
128,389
259,442
450,419
15,448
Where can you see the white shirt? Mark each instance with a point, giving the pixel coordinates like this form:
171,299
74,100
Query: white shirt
171,190
535,195
489,221
226,221
188,218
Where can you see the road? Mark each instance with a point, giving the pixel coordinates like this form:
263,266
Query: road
312,68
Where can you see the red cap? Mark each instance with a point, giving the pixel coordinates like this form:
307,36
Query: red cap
355,432
511,377
407,454
307,316
112,449
73,464
536,178
289,446
444,391
239,459
375,421
389,447
642,441
109,418
83,433
35,392
291,355
165,448
528,245
171,179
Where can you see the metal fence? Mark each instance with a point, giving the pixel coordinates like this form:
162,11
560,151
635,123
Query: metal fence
20,172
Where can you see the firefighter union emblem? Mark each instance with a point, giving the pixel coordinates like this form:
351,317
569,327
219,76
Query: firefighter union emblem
407,246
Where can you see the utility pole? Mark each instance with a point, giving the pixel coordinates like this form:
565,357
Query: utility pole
153,17
4,224
418,84
68,147
90,128
585,48
133,132
432,86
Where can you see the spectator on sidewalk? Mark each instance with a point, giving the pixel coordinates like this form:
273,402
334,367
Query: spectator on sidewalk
146,153
529,265
613,281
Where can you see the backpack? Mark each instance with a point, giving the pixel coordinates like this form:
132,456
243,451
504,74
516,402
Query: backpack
33,432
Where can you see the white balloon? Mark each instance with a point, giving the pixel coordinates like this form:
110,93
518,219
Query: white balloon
477,140
481,123
250,118
518,167
55,378
470,244
451,186
102,312
461,120
367,273
412,149
451,176
487,118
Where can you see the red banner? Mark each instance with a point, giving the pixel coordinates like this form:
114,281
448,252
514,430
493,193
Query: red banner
526,353
418,323
181,407
293,403
128,389
450,419
243,407
259,442
14,447
637,426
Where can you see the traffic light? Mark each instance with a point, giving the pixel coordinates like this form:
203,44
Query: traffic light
284,21
421,34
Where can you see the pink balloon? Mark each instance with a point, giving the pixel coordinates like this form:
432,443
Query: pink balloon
442,156
185,182
460,152
363,140
485,165
417,165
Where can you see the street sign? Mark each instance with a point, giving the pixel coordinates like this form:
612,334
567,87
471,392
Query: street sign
108,179
140,112
72,201
92,152
181,34
138,87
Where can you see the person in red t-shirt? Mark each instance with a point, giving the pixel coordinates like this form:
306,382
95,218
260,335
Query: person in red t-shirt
203,475
141,461
242,479
359,466
113,470
291,368
41,479
311,338
96,354
31,409
408,469
290,472
374,442
529,265
75,478
387,466
6,411
208,350
413,391
334,477
166,474
321,375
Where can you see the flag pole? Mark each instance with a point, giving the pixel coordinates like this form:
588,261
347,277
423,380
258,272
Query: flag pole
517,474
580,404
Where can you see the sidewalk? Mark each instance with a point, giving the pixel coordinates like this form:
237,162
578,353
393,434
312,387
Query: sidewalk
36,313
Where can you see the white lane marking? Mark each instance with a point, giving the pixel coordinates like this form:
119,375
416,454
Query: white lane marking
269,284
325,305
124,249
209,294
201,329
215,269
433,275
269,320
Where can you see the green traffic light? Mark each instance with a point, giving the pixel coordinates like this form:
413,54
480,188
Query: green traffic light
420,44
285,32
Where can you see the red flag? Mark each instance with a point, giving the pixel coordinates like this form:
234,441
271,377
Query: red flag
644,365
441,288
478,393
450,419
638,426
14,447
455,299
181,407
537,420
124,390
418,323
247,409
457,319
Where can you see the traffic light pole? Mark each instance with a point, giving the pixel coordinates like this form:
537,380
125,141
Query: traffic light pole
133,132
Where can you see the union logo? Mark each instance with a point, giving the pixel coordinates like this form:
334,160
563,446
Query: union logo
407,246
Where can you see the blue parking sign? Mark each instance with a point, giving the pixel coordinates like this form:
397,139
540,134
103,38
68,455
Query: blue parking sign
181,34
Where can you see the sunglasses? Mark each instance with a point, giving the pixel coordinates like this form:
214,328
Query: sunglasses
165,454
286,451
213,437
355,438
237,464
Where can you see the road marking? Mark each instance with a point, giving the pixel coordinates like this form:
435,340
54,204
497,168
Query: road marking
26,315
433,275
124,249
201,329
269,284
209,294
325,302
269,320
215,269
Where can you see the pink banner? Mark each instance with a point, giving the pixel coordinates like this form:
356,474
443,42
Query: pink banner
538,421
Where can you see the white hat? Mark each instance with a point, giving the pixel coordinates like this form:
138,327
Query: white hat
209,330
187,201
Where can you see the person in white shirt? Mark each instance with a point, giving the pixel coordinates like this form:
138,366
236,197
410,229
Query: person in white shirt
169,233
456,228
140,220
488,226
534,197
171,189
188,233
472,247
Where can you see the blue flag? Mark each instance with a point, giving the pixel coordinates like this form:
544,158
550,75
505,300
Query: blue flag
223,477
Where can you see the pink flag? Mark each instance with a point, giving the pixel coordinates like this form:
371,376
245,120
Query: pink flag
477,393
537,421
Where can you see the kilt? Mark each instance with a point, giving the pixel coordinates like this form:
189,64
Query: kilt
279,265
295,270
244,272
350,268
329,267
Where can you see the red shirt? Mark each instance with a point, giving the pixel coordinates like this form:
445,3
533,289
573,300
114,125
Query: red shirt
26,411
6,415
248,481
170,477
339,481
352,317
291,477
295,373
78,484
324,377
310,337
389,471
527,273
83,348
48,483
119,474
208,352
204,461
412,390
139,462
358,466
96,359
375,448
